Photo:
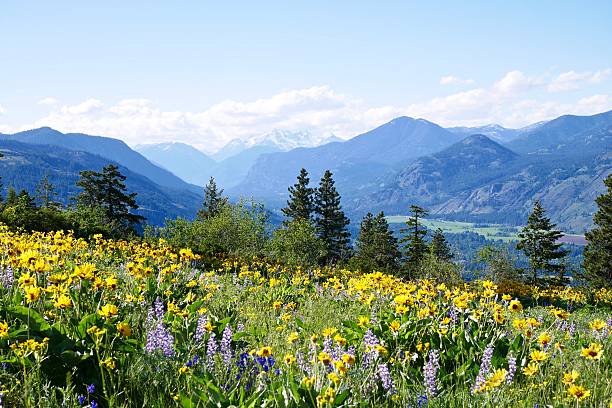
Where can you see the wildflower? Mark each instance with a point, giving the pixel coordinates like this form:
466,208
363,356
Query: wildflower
32,293
4,329
289,359
570,377
62,302
339,339
531,369
485,367
348,358
330,331
511,369
333,377
578,392
107,311
293,337
91,388
498,377
308,381
515,306
544,339
593,352
385,378
124,329
394,326
183,370
201,327
597,325
265,351
538,355
211,351
108,363
226,345
364,321
430,371
324,358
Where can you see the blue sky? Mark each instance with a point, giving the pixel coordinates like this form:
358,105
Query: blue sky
205,73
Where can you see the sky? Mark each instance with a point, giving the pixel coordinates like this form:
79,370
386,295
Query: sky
205,73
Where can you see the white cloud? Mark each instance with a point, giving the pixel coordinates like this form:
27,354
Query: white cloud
571,80
453,80
49,100
514,100
2,110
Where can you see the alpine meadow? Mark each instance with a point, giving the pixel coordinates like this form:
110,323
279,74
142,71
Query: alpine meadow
322,204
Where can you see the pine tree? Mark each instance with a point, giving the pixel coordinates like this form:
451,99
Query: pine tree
107,191
598,251
11,197
376,247
300,204
538,241
439,247
45,194
213,201
331,223
415,246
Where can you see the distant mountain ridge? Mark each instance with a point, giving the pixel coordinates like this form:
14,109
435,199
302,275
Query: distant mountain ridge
106,147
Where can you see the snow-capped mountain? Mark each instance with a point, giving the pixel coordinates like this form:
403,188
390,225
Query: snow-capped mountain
277,140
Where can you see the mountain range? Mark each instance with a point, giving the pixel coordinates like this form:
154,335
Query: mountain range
487,173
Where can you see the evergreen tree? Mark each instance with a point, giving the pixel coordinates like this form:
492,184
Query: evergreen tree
11,197
415,246
376,246
330,221
439,247
45,194
598,251
213,201
538,241
300,204
107,191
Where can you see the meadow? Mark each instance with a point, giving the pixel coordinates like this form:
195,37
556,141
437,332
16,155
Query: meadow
105,323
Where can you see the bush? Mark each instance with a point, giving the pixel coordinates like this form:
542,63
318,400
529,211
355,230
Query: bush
296,245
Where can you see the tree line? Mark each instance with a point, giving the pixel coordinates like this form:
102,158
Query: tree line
314,231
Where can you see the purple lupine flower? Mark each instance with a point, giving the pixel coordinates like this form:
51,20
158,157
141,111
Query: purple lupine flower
211,350
159,338
485,368
511,369
572,329
454,316
422,401
91,388
7,277
201,327
386,380
226,345
430,371
81,399
93,404
240,327
370,340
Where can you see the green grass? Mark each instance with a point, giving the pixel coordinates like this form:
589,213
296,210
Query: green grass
490,231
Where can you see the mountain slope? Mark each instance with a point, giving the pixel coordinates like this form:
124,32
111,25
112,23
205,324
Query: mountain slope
106,147
357,163
569,135
184,160
24,165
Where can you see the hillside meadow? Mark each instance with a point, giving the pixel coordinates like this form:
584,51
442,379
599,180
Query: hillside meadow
105,323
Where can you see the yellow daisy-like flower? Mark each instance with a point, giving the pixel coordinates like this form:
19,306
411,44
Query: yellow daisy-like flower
593,352
108,310
109,363
597,325
348,358
324,358
289,359
32,293
570,377
293,337
394,326
4,329
578,392
124,329
544,339
538,355
265,351
62,302
531,369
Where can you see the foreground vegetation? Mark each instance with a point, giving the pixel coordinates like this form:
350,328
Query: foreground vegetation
115,323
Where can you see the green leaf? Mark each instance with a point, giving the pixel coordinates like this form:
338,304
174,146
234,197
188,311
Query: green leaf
30,317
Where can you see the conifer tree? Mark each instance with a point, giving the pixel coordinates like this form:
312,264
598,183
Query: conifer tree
331,223
439,246
538,241
45,194
107,191
300,204
415,246
376,247
598,251
214,201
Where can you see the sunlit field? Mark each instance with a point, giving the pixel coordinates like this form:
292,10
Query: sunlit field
118,324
